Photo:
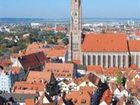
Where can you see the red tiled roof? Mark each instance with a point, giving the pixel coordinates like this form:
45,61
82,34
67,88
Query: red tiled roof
37,76
60,28
137,32
5,62
30,102
88,89
104,43
56,52
35,45
111,72
76,62
77,98
33,60
134,67
107,97
96,69
60,69
134,45
26,87
89,77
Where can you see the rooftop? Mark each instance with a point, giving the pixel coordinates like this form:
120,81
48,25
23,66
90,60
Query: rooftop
37,76
60,69
104,43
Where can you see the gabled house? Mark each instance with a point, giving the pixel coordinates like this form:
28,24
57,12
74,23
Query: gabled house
24,87
40,77
33,61
90,80
61,70
82,97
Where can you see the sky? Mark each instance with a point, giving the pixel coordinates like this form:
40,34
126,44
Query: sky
61,8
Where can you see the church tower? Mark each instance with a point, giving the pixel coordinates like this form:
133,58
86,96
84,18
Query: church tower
75,31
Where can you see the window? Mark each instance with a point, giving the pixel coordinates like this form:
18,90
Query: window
84,60
89,60
104,60
94,60
75,14
124,61
75,47
114,61
119,61
99,60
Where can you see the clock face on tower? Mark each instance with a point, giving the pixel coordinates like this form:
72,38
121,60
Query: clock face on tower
75,21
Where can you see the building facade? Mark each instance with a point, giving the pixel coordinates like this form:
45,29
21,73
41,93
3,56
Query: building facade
6,82
110,50
100,49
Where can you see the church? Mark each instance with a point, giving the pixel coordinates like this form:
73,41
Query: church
106,50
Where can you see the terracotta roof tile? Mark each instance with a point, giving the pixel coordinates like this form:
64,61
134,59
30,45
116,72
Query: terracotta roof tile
37,76
76,62
27,88
105,43
137,32
56,52
64,70
33,60
111,72
88,89
30,102
88,78
77,98
134,45
96,69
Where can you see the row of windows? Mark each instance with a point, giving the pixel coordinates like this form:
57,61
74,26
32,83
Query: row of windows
117,60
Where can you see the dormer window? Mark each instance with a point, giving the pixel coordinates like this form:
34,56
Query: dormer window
83,101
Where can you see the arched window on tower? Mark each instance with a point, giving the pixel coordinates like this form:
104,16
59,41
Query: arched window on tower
76,14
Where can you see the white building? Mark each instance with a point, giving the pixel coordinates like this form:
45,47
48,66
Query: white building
35,25
6,81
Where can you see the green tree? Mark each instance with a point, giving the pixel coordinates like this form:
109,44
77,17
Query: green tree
120,79
65,41
52,87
